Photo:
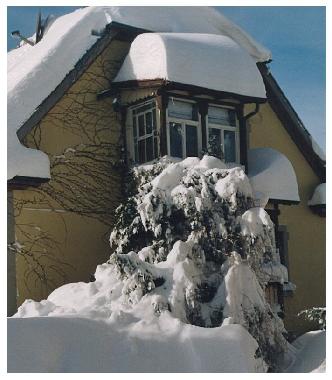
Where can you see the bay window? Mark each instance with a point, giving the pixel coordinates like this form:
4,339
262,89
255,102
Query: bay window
182,128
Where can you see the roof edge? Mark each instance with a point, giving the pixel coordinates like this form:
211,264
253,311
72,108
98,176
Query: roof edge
111,31
291,121
170,85
22,182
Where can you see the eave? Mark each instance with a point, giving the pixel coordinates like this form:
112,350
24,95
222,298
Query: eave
165,86
291,122
114,30
23,182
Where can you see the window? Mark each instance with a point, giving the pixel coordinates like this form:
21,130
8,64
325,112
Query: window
145,132
183,129
223,133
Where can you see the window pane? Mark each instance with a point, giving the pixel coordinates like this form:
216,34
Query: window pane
134,127
175,139
229,142
148,121
154,119
222,116
149,149
215,147
191,141
136,152
141,151
232,118
141,126
155,142
182,110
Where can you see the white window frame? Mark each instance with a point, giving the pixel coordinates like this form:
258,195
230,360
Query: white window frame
223,128
130,128
184,122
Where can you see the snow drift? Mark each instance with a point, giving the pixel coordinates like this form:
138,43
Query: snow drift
309,353
87,345
190,260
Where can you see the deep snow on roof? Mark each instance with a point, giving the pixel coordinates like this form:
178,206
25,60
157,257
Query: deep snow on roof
35,71
272,175
319,196
205,60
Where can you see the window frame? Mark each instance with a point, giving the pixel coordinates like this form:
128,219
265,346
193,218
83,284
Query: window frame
154,134
184,122
223,128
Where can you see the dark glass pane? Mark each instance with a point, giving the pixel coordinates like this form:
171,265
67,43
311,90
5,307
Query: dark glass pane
149,149
134,127
148,122
141,151
191,141
141,126
180,110
221,116
230,149
154,116
136,152
195,112
215,148
232,118
175,139
155,147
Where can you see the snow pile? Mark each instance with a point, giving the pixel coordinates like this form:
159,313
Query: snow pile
310,353
214,62
35,71
191,250
272,176
319,196
165,345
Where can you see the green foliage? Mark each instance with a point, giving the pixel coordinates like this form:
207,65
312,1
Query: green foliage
316,315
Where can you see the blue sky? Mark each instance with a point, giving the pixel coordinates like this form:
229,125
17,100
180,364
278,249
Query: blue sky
295,35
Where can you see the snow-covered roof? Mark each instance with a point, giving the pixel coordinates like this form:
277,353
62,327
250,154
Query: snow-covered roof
319,196
272,175
205,60
35,71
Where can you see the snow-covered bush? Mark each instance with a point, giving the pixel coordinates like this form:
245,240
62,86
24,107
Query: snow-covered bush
197,217
189,244
316,315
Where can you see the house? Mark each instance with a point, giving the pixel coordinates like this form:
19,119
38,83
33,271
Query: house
110,86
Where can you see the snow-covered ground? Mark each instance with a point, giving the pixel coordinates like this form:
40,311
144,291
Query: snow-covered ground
53,344
183,292
310,353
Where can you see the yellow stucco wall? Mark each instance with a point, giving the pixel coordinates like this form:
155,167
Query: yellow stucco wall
307,234
63,227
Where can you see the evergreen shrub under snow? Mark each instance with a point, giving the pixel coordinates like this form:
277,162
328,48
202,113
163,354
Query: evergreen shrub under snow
190,245
190,233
